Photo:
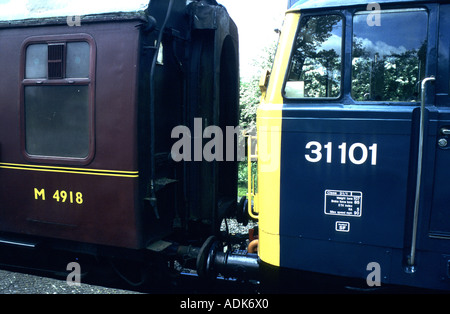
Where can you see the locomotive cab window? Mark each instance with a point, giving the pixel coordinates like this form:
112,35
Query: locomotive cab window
315,65
388,57
57,96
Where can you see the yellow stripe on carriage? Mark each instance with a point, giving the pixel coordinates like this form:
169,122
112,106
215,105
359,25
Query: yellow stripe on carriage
85,171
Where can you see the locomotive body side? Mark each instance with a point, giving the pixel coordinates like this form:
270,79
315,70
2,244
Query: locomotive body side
342,181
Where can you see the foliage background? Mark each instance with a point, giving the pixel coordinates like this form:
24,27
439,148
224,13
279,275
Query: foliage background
250,98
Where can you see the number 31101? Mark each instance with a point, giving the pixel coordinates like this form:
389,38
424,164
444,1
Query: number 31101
357,153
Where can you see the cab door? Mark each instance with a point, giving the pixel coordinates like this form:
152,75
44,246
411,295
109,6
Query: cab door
439,226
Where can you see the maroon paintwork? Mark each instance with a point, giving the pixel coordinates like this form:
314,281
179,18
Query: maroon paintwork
126,192
109,212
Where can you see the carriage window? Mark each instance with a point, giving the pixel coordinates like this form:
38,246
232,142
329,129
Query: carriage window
315,66
57,90
388,62
77,60
56,121
36,61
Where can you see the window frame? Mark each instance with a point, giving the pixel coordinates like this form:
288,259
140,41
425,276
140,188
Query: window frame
430,43
89,82
343,59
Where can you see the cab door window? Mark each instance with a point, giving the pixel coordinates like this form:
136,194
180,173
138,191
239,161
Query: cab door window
388,58
316,62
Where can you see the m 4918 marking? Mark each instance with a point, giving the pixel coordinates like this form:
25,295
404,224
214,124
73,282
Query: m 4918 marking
60,196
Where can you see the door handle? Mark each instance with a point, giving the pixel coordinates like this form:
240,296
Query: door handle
445,131
443,140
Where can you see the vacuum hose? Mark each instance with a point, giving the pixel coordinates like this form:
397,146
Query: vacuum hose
212,261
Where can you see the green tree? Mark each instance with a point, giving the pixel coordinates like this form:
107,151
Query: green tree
314,61
393,77
250,93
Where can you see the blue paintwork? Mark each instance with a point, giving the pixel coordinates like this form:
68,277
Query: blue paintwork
382,234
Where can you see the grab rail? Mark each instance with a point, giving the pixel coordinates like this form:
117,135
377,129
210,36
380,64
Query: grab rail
251,195
411,260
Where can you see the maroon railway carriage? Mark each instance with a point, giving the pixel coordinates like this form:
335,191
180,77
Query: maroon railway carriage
86,112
